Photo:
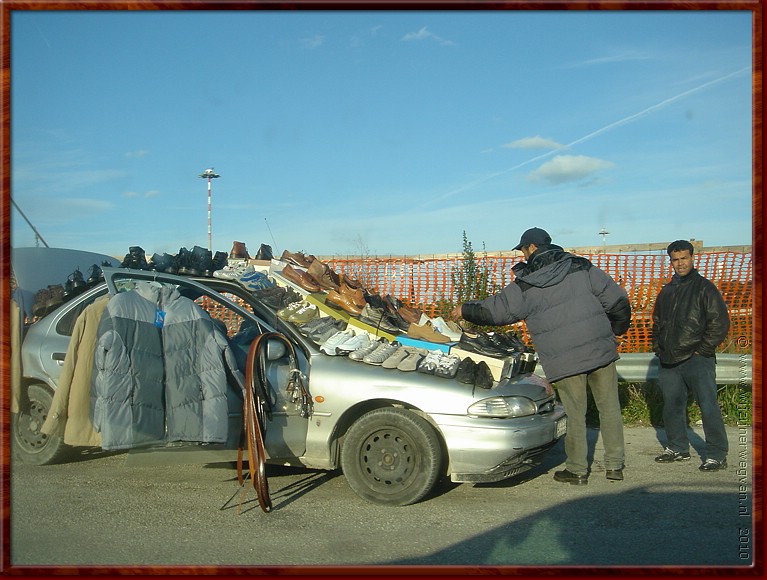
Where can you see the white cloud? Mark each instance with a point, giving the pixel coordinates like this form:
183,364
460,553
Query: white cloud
314,42
425,34
568,168
137,154
536,142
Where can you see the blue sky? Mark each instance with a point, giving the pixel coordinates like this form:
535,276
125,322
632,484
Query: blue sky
383,133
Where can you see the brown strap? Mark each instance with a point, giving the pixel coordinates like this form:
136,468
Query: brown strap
253,428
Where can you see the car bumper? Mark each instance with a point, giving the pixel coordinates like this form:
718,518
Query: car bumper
486,450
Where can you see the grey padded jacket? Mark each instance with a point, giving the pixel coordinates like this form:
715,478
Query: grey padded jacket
573,311
160,371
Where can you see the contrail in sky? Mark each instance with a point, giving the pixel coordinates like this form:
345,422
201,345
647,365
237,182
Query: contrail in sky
593,134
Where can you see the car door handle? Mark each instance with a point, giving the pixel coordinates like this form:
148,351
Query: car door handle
59,357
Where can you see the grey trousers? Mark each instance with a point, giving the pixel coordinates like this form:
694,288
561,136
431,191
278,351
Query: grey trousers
603,383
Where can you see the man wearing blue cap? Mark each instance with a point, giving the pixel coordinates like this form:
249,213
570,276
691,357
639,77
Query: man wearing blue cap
573,311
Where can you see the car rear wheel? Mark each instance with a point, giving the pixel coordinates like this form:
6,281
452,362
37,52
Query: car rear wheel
32,446
391,456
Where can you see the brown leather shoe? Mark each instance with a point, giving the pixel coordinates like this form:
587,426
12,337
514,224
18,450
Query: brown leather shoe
300,278
343,302
297,258
351,282
323,275
239,251
426,332
355,295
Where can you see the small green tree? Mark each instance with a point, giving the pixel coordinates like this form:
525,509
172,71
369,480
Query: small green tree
471,281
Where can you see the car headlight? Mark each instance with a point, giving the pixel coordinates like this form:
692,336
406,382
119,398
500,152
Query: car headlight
503,407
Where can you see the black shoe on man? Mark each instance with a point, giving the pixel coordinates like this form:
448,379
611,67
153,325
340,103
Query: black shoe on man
566,476
669,456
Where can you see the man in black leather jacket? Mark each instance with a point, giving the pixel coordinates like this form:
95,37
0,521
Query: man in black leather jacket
690,321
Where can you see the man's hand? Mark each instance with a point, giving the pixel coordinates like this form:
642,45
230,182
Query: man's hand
456,312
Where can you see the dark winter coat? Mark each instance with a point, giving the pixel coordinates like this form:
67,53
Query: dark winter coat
690,316
573,311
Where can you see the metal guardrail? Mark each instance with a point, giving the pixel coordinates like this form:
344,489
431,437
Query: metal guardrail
731,369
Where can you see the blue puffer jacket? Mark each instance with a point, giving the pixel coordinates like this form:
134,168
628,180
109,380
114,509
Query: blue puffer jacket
573,311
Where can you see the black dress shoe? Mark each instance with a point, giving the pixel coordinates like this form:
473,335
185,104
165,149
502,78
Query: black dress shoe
565,476
615,474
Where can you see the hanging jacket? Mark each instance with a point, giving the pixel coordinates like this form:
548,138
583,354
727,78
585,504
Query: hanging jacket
573,311
127,399
197,360
70,408
689,316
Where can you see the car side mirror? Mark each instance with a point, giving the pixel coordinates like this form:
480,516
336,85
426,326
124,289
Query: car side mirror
275,350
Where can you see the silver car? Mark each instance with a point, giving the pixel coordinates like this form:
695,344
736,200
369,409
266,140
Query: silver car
393,434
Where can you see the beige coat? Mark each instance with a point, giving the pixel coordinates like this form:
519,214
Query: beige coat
71,406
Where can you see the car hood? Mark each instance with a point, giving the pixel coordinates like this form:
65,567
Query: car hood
38,268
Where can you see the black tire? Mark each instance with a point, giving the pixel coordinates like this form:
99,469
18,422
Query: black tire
30,445
391,456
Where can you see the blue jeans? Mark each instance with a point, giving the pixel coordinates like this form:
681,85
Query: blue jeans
697,374
603,383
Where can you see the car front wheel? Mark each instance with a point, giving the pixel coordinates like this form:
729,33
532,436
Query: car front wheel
31,445
391,456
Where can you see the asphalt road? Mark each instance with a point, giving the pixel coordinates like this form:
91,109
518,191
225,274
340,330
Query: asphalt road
98,512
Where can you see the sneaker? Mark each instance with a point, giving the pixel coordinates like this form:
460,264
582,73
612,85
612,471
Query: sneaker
447,366
363,351
304,314
713,465
430,362
330,346
284,313
380,354
396,357
321,336
356,341
669,456
255,281
315,325
234,270
411,361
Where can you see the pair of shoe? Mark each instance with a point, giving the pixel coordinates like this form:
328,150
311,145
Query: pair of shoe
405,358
324,276
427,332
297,258
299,312
440,364
234,269
475,373
481,343
320,329
135,259
365,349
381,353
342,302
448,328
277,297
300,278
402,311
254,281
379,319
